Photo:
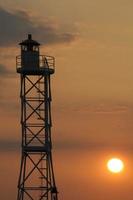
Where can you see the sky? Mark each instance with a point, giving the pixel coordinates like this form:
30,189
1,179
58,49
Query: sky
92,89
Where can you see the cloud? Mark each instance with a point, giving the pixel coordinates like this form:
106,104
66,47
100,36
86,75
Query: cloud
109,109
7,145
5,72
92,145
15,145
15,25
95,108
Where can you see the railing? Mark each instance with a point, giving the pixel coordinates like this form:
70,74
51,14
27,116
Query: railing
44,62
47,61
18,61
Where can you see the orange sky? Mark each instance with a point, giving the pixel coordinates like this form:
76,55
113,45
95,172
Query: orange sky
92,90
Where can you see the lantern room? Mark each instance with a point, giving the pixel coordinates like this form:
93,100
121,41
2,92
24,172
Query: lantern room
29,53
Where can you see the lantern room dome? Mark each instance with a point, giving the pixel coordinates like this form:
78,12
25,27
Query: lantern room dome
29,42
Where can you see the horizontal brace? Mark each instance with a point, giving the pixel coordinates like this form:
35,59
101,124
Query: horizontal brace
35,188
34,125
42,168
35,100
41,109
36,148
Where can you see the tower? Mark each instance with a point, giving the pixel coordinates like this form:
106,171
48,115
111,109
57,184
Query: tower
36,179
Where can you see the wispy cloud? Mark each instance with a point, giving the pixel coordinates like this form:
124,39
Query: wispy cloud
16,25
96,108
8,145
93,145
5,72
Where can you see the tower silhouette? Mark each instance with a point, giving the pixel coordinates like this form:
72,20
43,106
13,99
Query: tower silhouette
36,179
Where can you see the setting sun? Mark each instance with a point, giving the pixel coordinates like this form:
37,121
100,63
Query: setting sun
115,165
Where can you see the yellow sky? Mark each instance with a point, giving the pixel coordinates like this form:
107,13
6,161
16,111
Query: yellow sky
92,88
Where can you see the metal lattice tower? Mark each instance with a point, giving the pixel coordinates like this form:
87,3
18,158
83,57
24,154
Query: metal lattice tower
36,180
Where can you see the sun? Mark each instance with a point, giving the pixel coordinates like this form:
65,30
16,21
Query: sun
115,165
